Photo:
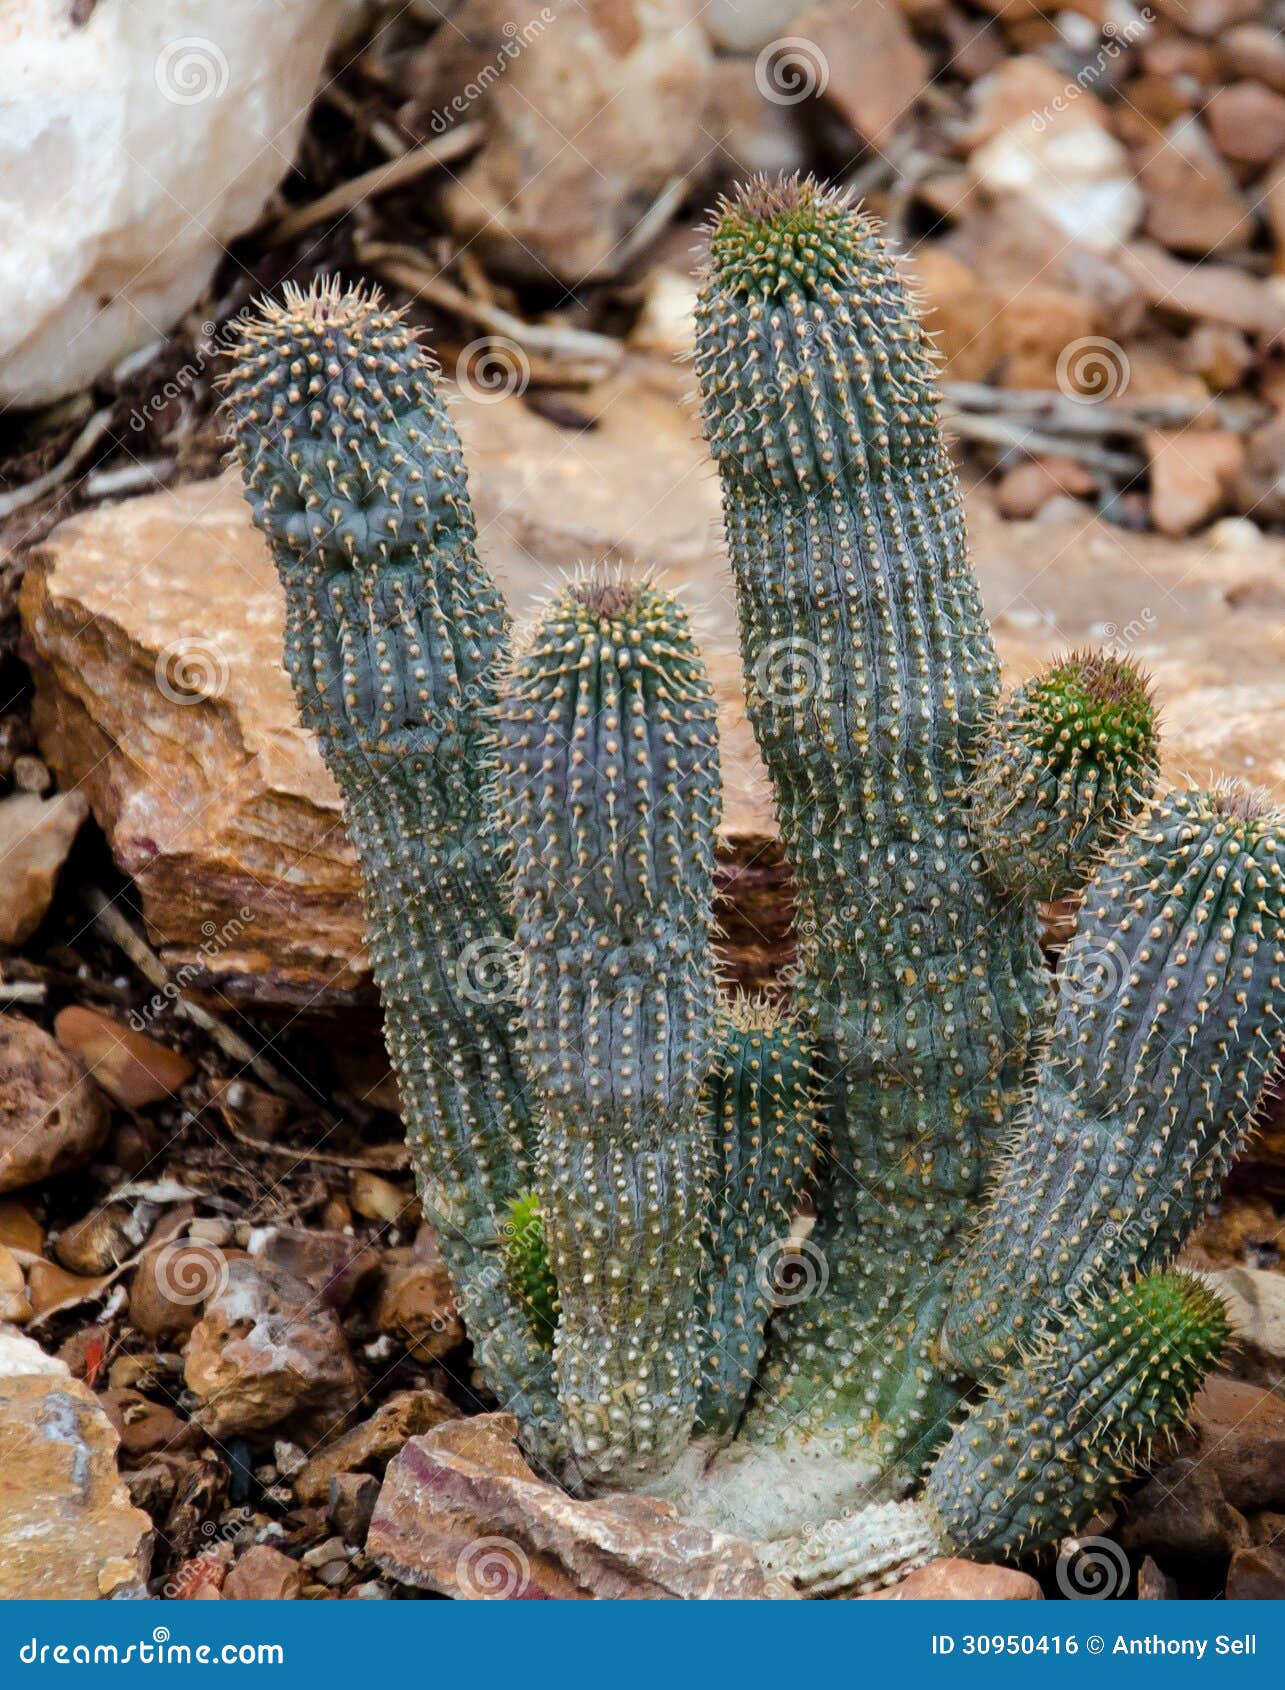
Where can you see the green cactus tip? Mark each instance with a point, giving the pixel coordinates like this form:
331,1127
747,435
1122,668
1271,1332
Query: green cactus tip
530,1276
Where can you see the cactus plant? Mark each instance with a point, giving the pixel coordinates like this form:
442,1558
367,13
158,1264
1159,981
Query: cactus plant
1001,1162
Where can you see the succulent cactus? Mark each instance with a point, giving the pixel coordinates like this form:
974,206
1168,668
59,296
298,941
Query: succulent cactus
1001,1163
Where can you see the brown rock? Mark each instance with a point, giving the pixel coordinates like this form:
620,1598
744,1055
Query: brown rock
130,1067
1026,487
1247,123
1261,490
864,59
1239,1232
368,1448
145,1427
416,1303
350,1505
1215,291
19,1228
377,1199
266,1350
1193,203
99,1240
15,1306
51,1288
609,74
263,1574
51,1118
1256,1575
35,836
335,1265
1193,473
1255,1300
1254,51
171,1283
1182,1518
67,1527
951,1580
461,1513
985,331
751,134
1208,17
1154,1585
1219,355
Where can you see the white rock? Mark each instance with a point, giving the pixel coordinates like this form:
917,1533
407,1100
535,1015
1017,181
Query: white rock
743,26
133,147
1077,173
22,1358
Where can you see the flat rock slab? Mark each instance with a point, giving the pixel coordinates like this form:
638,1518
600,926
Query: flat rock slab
462,1514
154,631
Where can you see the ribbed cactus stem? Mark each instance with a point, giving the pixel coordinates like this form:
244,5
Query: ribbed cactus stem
1168,1022
609,792
394,632
761,1114
1070,759
869,673
530,1275
1067,1425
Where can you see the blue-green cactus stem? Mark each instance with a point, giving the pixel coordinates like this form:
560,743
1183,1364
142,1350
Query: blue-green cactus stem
870,675
1167,1027
1071,758
761,1112
394,632
1070,1423
609,792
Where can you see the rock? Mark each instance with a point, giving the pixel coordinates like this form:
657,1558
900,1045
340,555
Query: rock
1247,123
1241,1231
1193,203
15,1305
987,330
1181,1517
860,56
170,1284
951,1580
666,324
1154,1585
1218,292
1220,355
263,1574
1262,482
1239,1433
161,128
1043,139
368,1448
1254,51
67,1527
546,211
1193,474
334,1264
100,1240
51,1117
1256,1575
145,1427
350,1504
51,1288
743,26
266,1350
19,1228
130,1067
1256,1304
416,1303
750,133
1208,17
35,836
461,1513
1026,487
377,1199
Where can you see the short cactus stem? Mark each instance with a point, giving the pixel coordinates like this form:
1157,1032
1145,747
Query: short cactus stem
1164,1042
609,790
1068,1424
394,632
530,1275
1070,759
